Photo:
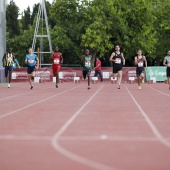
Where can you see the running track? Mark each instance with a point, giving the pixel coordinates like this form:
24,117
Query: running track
71,128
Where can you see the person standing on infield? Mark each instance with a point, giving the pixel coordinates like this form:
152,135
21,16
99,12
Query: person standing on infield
98,69
140,60
117,57
57,60
32,62
166,63
87,66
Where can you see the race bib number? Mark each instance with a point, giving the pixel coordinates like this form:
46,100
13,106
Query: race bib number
87,63
118,61
56,61
9,59
140,64
31,61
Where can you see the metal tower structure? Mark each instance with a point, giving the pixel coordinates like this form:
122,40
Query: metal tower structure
42,15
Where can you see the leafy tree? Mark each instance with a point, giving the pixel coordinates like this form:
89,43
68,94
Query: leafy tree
68,18
12,12
26,19
127,23
162,28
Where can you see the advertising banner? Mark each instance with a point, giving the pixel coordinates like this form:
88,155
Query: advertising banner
68,74
158,73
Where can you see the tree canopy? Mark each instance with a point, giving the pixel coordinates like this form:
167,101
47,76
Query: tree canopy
97,25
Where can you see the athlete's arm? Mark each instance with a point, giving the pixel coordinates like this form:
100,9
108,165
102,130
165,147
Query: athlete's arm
37,63
136,61
3,60
111,57
164,62
51,56
61,57
123,58
26,60
13,57
82,58
146,64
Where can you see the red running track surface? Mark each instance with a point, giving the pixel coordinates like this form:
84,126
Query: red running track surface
72,128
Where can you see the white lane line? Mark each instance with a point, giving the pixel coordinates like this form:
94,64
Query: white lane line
110,138
151,125
30,105
82,138
14,137
16,95
159,91
73,156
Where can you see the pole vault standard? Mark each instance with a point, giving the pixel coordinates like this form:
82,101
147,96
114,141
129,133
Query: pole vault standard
39,31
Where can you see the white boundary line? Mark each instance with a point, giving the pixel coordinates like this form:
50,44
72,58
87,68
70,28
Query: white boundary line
73,156
158,91
16,95
29,105
82,138
151,125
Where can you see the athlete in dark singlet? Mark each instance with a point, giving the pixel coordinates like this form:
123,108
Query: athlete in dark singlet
166,63
117,57
140,60
87,66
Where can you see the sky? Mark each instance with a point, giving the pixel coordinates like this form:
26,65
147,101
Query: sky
23,4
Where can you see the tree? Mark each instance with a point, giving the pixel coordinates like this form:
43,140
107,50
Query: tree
162,28
69,25
26,19
12,12
123,22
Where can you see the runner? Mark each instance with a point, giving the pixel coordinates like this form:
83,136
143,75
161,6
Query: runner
117,57
8,61
33,63
56,59
166,62
140,71
87,66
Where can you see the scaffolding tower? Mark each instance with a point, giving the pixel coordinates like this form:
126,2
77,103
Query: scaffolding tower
42,15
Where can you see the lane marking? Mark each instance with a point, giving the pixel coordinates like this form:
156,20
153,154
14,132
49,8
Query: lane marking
82,138
14,137
151,125
71,155
30,91
30,105
16,95
158,91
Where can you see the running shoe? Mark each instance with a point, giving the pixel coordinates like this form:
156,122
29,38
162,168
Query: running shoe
88,88
56,85
31,87
9,85
118,87
139,87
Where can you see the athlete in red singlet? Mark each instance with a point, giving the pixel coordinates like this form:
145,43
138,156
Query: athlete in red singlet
56,59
